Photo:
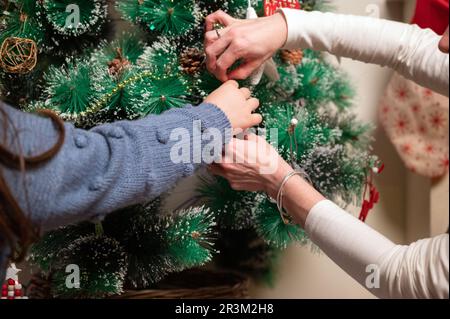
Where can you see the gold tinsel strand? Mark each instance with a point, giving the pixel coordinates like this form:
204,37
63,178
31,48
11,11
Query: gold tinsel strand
104,100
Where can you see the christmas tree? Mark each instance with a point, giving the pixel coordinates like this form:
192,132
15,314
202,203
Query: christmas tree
156,65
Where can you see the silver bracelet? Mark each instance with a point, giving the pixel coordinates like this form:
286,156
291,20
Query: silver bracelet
287,219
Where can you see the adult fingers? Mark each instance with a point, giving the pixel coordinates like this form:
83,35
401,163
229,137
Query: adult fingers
225,61
215,35
214,50
245,70
217,17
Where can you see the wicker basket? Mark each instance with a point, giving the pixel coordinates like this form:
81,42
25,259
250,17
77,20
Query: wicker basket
195,284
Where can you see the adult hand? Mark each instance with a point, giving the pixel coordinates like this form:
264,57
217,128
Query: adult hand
252,164
237,104
253,41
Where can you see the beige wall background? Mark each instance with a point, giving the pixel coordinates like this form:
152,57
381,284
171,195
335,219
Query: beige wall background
411,207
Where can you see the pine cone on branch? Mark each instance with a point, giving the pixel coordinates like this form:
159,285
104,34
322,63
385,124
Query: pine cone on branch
117,65
192,60
294,57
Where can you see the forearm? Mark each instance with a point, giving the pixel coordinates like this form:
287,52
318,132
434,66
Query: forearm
109,167
411,51
347,241
416,271
299,198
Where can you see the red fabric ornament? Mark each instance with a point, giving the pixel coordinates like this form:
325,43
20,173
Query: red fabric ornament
271,6
432,14
416,121
11,282
18,293
371,196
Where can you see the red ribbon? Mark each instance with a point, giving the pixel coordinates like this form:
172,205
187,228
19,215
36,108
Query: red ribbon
374,195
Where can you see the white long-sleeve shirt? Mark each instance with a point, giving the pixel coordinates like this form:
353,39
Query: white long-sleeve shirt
420,270
411,51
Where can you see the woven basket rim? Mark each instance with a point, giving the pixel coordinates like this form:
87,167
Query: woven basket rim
236,288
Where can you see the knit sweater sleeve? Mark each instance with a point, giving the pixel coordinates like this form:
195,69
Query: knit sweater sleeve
110,166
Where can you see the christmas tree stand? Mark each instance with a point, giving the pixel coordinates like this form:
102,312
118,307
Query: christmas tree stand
195,284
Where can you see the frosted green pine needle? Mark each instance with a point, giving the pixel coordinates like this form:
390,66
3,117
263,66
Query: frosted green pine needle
279,117
352,131
336,171
190,237
30,28
272,228
129,44
342,91
46,252
233,210
237,8
174,17
309,132
205,83
103,83
140,231
102,263
161,58
154,96
316,79
69,88
62,14
158,245
130,9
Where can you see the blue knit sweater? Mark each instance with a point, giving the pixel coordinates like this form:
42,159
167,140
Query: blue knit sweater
104,169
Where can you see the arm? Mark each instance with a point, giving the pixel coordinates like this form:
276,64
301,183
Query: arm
412,51
116,165
106,168
408,49
420,270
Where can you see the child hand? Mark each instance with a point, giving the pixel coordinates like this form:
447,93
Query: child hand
237,104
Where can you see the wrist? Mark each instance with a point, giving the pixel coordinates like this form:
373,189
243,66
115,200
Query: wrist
299,198
274,180
280,29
